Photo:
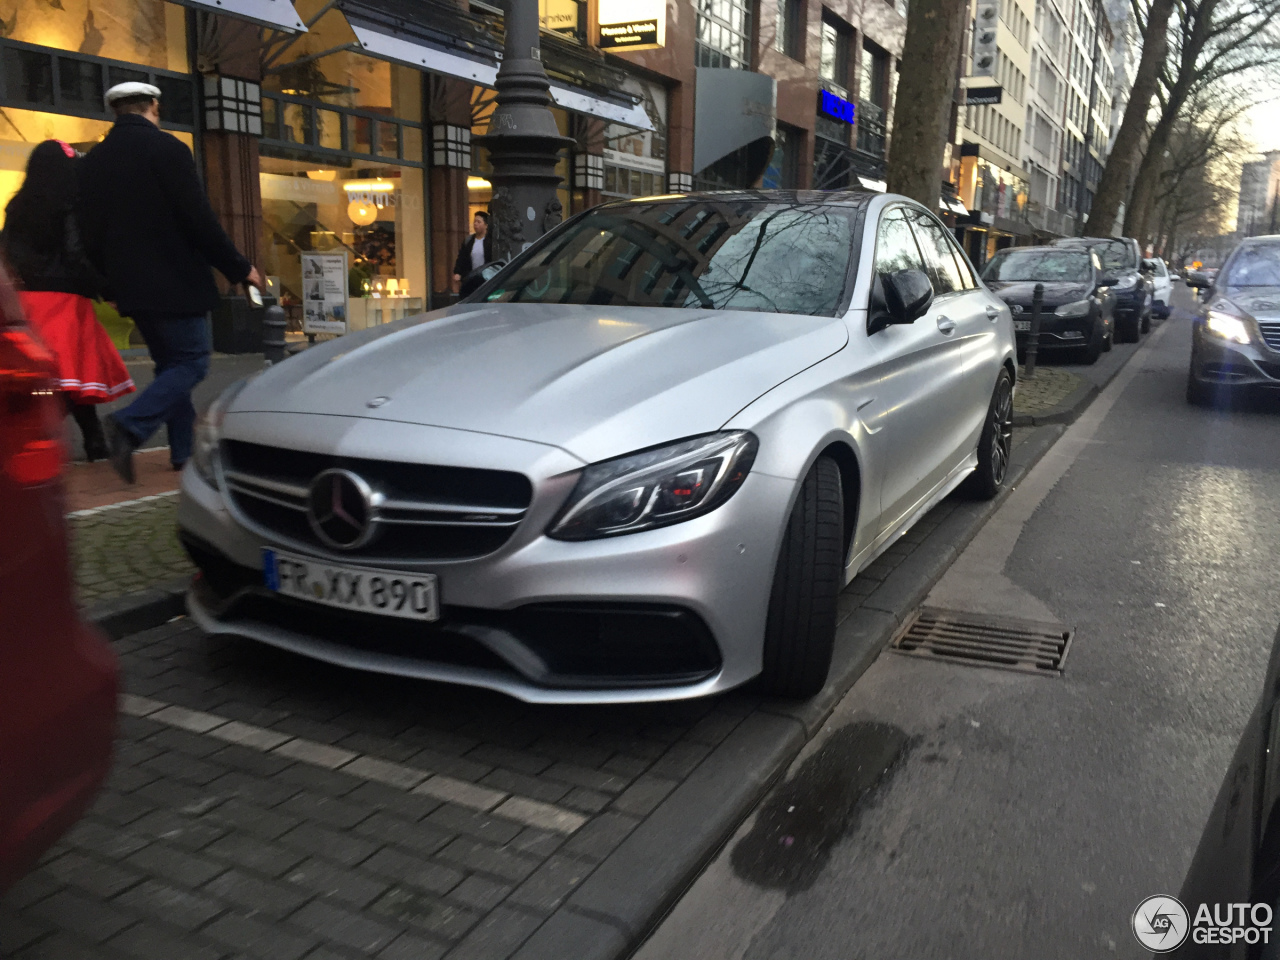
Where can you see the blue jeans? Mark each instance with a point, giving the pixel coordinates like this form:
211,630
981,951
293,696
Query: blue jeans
180,347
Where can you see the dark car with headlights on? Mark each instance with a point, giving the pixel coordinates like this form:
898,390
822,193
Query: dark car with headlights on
1235,338
1134,289
1077,308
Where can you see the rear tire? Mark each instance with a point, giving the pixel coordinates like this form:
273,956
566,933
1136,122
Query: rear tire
800,632
995,443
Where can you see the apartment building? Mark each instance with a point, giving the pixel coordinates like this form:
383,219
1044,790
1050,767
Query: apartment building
1087,110
1046,110
1256,213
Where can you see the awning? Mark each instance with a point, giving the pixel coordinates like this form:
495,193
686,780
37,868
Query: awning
415,52
953,206
276,14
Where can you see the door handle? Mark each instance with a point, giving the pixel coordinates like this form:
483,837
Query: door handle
992,312
946,324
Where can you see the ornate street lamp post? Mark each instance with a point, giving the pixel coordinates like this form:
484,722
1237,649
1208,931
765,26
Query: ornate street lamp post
523,140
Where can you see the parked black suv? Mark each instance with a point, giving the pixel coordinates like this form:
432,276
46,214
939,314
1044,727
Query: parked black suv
1134,290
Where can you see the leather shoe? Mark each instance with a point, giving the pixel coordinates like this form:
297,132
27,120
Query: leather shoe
120,447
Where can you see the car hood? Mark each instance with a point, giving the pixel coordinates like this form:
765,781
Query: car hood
1263,304
1055,294
597,382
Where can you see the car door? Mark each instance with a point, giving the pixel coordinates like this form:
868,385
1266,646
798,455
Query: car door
975,312
922,397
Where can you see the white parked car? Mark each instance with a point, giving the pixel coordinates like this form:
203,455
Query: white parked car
639,463
1162,295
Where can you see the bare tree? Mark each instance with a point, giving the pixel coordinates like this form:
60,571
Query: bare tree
923,103
1215,45
1118,174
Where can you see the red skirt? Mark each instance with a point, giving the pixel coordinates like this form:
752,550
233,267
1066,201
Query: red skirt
89,366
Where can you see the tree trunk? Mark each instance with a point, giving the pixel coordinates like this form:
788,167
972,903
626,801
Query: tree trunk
1118,173
923,103
1138,212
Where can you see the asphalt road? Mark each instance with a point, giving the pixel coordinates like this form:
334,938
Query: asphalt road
958,812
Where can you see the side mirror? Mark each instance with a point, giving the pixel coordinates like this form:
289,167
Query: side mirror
1108,281
907,295
474,280
1198,280
1149,266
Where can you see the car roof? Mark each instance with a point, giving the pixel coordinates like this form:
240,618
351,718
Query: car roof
1043,246
856,198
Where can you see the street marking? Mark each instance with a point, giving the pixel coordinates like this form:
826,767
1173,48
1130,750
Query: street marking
91,511
532,813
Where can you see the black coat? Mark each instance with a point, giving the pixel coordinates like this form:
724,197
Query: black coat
50,259
462,266
148,226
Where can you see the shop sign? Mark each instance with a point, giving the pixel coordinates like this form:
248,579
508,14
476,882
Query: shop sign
324,293
836,107
632,24
983,96
558,16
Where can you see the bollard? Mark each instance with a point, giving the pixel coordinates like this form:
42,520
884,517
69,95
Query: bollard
273,324
1033,336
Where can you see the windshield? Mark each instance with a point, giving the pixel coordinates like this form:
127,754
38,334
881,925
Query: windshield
1257,265
1049,266
731,255
1115,254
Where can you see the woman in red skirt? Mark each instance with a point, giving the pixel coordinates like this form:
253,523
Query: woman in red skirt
42,245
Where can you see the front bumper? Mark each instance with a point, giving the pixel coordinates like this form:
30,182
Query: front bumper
1066,333
1220,363
672,613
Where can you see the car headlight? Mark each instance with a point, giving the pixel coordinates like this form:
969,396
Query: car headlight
204,451
655,488
1126,283
1228,327
1080,308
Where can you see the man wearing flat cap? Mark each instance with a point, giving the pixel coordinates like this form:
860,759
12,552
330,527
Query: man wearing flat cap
150,230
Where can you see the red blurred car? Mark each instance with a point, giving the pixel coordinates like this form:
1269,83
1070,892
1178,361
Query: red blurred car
58,676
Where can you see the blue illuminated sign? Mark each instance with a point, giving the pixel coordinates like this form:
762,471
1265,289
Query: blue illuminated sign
837,108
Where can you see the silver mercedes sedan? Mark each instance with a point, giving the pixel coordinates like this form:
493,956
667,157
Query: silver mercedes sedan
639,463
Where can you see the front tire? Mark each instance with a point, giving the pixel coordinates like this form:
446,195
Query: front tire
1096,344
1203,394
800,631
1130,332
995,444
1145,326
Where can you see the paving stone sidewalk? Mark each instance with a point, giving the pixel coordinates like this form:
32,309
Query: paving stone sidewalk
1047,389
122,549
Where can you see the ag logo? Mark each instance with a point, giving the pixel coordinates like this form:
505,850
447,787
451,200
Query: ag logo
1161,924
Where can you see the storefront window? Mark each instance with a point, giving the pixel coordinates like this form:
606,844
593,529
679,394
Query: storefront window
147,32
372,212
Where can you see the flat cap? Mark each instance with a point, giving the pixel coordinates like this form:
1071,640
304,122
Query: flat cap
131,89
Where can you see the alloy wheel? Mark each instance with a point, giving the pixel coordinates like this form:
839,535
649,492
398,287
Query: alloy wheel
1002,432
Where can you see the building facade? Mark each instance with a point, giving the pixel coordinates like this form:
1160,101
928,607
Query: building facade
1256,213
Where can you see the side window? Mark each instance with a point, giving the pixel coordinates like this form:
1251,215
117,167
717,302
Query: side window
895,246
942,267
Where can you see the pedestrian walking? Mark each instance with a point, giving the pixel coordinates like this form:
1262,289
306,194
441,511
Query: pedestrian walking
149,228
41,243
476,250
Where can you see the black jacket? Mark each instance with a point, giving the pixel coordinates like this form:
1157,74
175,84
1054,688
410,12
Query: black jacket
462,266
51,260
148,226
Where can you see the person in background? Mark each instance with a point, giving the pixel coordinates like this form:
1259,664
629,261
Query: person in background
476,250
41,242
149,228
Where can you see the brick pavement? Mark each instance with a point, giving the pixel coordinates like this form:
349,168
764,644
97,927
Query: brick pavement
209,845
126,547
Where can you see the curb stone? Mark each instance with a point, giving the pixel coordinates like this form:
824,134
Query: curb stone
135,612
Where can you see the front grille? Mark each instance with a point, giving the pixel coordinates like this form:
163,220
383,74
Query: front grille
1270,333
428,512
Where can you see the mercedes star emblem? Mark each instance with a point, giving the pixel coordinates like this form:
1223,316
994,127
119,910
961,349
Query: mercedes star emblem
341,509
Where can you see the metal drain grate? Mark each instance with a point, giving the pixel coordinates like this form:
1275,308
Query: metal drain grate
986,641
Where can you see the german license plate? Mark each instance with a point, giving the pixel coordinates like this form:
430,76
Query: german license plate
1022,326
413,596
